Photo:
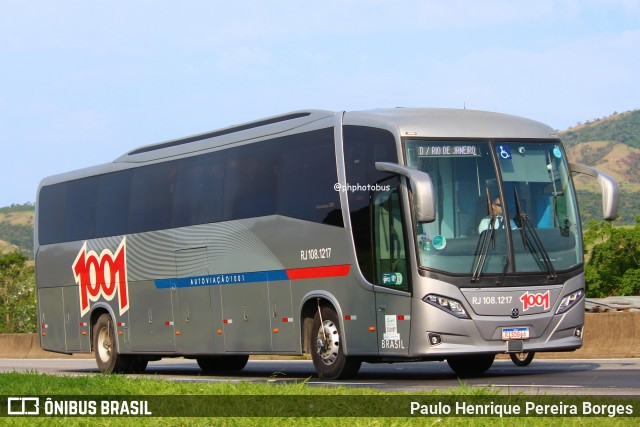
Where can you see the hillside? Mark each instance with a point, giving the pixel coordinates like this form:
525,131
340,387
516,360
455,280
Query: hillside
623,128
611,144
618,160
16,229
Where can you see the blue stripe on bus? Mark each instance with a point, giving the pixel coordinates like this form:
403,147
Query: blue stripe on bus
255,276
223,279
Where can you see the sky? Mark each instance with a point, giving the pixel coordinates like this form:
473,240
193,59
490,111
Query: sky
82,82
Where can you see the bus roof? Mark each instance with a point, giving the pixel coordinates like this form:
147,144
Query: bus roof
229,135
451,123
420,122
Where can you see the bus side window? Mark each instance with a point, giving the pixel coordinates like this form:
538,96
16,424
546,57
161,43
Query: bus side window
112,212
51,207
389,237
307,178
198,198
81,209
151,197
251,180
363,147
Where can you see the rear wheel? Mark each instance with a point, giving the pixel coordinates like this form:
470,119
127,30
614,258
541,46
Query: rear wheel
522,359
136,365
211,364
104,346
327,346
469,366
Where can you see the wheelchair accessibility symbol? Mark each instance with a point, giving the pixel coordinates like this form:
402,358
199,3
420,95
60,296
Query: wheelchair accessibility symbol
504,151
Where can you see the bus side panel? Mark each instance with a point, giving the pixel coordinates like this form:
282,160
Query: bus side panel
152,326
283,323
393,323
51,326
216,317
54,264
194,317
245,317
75,341
194,321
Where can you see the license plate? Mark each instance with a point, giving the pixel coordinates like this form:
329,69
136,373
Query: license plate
515,334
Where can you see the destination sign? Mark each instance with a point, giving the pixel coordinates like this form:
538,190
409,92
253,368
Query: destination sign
449,150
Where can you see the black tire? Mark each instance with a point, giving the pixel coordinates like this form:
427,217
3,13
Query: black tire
522,359
327,351
212,364
135,364
470,366
105,349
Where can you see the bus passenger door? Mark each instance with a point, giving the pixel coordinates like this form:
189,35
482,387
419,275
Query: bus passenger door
393,298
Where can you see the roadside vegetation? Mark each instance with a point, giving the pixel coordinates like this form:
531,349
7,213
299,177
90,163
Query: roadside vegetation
17,294
613,259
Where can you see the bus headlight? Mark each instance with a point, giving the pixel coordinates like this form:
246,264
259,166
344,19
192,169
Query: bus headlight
569,301
449,305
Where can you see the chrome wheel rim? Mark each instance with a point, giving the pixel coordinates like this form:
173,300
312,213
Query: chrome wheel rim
328,342
105,345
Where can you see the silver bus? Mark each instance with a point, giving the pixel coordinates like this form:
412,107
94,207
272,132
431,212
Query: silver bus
388,235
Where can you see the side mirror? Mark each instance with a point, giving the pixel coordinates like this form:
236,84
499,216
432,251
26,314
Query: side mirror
608,186
422,186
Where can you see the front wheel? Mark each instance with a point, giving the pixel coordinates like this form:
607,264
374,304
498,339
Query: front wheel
522,359
469,366
327,345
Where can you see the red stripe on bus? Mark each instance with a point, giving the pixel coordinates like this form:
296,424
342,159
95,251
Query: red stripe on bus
318,272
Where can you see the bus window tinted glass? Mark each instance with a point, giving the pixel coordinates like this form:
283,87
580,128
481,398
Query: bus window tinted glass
391,264
198,198
51,213
307,178
81,208
363,146
112,213
251,180
151,197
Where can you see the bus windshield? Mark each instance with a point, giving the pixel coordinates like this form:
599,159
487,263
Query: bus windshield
506,206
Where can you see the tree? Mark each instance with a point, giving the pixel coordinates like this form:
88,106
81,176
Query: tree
613,266
17,294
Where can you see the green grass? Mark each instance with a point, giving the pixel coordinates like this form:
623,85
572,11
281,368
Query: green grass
281,398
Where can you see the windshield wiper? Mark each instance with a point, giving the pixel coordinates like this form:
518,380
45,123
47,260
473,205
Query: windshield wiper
526,224
488,238
505,268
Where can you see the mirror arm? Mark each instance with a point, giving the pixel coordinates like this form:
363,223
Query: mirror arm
422,189
608,186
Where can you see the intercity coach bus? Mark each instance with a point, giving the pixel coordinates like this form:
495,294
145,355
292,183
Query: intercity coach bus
389,235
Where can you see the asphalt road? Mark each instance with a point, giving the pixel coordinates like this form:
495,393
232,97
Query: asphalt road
579,377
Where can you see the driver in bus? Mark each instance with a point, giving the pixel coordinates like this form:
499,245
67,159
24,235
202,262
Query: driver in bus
496,210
